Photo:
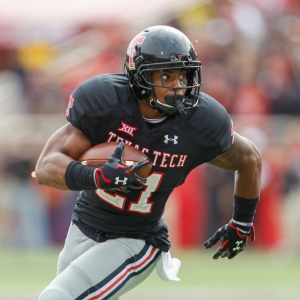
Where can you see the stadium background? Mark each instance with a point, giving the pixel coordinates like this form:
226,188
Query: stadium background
250,53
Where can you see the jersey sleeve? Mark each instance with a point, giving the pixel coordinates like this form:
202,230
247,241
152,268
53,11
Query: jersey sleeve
223,136
87,103
214,127
96,99
79,107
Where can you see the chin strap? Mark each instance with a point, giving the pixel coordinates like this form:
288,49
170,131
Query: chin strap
154,105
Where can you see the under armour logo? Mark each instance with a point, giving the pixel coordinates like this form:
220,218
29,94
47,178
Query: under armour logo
237,245
127,129
118,180
174,140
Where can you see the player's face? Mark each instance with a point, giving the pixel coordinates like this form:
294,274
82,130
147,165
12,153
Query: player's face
171,79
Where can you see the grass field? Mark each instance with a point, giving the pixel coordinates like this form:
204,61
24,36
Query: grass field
251,275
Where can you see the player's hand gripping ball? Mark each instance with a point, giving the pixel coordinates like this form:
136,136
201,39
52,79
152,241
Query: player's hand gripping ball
120,167
233,240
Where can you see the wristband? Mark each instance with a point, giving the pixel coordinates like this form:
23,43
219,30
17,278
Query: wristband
80,177
244,209
242,223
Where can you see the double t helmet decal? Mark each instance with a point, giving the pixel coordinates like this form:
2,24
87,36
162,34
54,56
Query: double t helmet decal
131,50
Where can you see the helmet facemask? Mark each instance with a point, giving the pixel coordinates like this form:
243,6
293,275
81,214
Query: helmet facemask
176,102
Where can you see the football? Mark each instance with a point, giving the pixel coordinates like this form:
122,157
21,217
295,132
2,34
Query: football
98,155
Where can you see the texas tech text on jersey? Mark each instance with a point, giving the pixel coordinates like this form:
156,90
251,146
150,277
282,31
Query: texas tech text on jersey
161,159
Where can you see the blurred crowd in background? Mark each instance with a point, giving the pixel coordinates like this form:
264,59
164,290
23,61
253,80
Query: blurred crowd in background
250,54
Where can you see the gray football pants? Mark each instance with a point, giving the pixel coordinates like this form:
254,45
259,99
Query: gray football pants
91,270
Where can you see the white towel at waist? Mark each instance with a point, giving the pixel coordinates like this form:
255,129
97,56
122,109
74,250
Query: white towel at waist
167,267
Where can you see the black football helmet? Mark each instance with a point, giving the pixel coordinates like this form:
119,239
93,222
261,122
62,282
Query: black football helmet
160,48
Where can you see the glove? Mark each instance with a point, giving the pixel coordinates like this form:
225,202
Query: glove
116,176
233,240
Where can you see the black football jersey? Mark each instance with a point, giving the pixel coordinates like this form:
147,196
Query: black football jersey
105,109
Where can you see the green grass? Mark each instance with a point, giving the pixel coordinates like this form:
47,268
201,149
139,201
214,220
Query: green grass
26,271
24,274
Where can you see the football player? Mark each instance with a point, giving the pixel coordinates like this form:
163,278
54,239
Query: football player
117,235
